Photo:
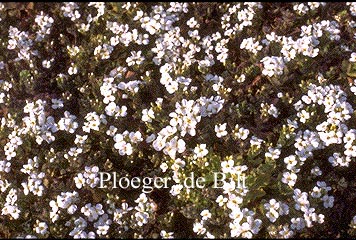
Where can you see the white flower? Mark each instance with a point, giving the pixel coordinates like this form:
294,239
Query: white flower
250,45
289,178
236,214
111,109
221,200
192,23
353,222
227,166
135,58
41,228
79,180
135,137
72,69
57,103
242,133
147,115
200,151
142,198
166,235
141,218
241,79
67,123
328,201
103,51
164,167
174,146
46,63
198,228
80,139
72,209
102,230
159,143
316,171
303,115
175,189
273,111
291,162
273,153
93,121
272,215
205,214
220,130
286,232
272,66
297,223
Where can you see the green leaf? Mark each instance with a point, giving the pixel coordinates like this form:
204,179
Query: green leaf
255,194
351,70
267,168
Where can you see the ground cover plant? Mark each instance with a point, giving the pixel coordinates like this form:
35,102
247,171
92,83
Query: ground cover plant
260,93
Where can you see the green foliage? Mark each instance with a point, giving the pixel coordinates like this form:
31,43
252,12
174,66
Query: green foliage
224,94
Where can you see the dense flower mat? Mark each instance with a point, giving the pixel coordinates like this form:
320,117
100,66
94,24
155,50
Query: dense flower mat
171,120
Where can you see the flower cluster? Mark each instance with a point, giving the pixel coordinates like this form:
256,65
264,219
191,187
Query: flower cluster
255,101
